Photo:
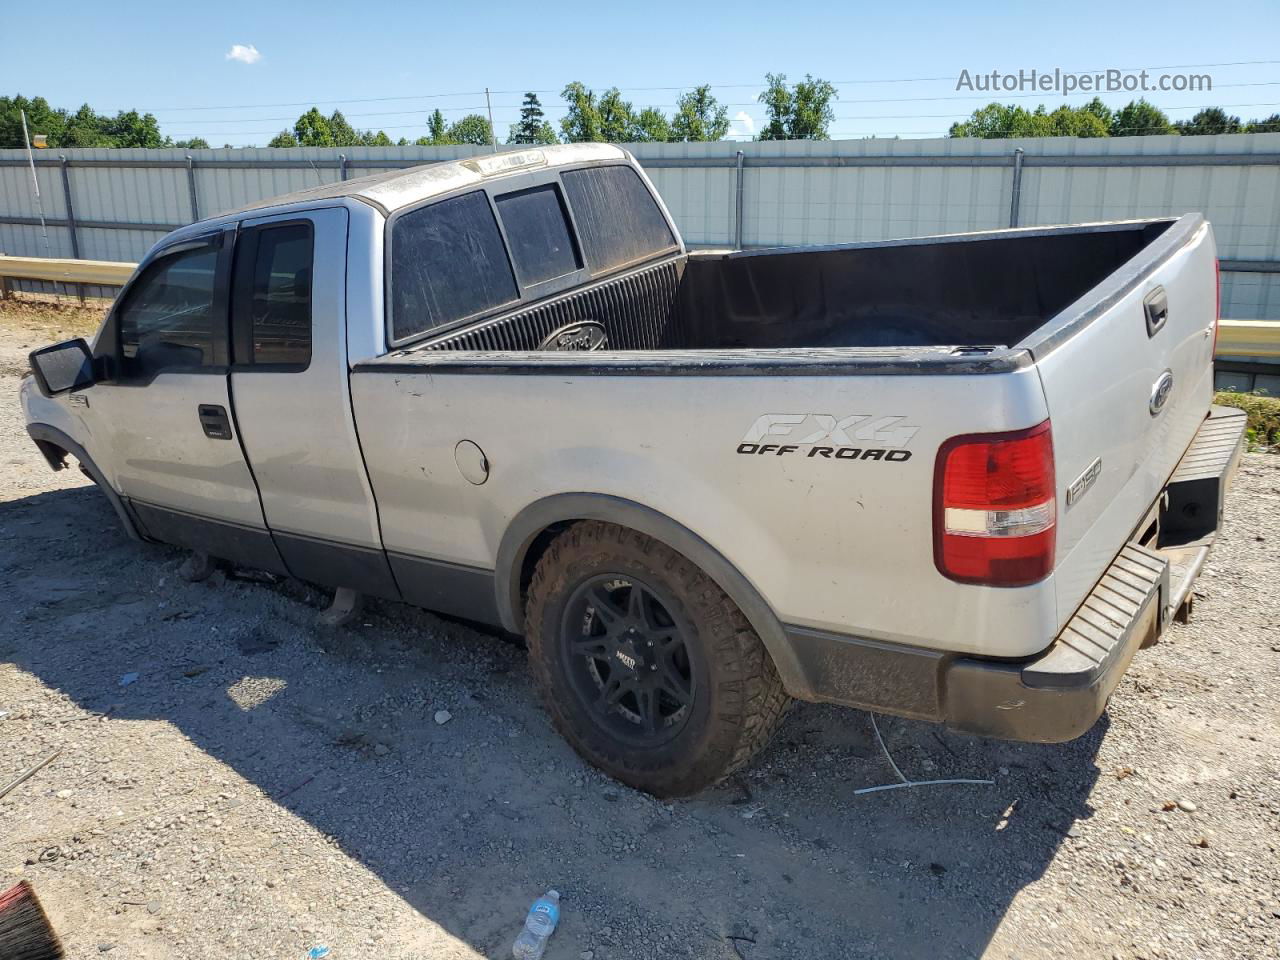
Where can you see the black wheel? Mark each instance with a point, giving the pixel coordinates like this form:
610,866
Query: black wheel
646,666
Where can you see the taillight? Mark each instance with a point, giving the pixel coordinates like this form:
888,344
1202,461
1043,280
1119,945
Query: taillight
1217,305
995,509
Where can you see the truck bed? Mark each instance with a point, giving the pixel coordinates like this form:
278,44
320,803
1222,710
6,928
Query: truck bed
982,289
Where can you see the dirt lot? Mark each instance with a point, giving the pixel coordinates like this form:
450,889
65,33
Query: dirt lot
229,787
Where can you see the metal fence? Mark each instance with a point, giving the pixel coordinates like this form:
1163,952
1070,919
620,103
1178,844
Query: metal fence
114,204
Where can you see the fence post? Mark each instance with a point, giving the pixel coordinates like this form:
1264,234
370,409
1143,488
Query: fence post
191,189
1016,203
342,165
71,218
71,210
737,215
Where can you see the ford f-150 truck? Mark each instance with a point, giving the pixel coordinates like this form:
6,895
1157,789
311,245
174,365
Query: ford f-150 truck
958,478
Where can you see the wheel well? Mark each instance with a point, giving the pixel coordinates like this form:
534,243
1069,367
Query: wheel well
538,546
56,446
532,531
53,454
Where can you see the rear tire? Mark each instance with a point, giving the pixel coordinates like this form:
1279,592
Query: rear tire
646,666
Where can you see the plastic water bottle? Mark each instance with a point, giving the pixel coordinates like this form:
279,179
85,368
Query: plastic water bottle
538,927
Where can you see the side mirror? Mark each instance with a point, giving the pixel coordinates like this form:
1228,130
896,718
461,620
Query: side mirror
63,366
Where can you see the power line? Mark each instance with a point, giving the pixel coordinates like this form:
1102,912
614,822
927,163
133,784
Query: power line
670,106
714,86
512,119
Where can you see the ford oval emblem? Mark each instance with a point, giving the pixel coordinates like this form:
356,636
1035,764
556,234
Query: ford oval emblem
584,335
1160,392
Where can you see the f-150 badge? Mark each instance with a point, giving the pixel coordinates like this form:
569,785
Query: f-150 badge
821,435
1081,484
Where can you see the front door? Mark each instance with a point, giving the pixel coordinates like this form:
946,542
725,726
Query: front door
166,416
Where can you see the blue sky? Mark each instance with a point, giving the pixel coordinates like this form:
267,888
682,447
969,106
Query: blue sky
894,64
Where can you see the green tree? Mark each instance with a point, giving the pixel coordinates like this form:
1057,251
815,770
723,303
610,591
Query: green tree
533,126
1004,120
284,138
1138,118
811,112
581,124
651,126
617,120
699,116
379,139
777,102
41,119
341,133
128,128
437,132
83,129
800,113
473,129
993,121
195,143
312,130
1101,111
1207,122
1270,125
1077,122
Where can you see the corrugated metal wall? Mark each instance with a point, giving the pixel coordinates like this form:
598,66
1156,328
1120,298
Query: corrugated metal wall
792,192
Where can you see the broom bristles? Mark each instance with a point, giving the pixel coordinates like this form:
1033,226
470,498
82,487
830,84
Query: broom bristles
25,931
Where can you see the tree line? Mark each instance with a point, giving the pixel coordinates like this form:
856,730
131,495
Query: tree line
793,111
1138,118
802,112
83,128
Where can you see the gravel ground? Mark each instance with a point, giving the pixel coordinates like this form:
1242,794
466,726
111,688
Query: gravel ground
232,784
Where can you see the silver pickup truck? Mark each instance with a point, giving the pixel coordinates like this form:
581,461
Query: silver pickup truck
959,478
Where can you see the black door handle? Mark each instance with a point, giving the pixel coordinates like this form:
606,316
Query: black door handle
214,419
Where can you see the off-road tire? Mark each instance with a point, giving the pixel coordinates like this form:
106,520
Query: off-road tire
733,714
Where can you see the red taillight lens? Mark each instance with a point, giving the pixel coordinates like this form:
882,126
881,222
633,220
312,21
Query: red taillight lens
995,509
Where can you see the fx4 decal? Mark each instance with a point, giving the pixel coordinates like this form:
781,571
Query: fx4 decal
855,437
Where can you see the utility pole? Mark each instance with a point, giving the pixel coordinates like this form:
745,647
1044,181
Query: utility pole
35,182
493,134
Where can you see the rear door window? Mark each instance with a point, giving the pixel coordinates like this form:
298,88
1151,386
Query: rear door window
448,262
272,299
618,220
538,234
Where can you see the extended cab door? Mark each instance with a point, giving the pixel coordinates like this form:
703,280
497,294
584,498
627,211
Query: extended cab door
163,428
292,398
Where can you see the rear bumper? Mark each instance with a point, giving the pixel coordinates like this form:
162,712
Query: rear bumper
1058,694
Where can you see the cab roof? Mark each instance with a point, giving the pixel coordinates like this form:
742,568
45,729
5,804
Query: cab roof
399,188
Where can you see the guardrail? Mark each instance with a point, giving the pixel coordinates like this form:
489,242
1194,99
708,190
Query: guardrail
1236,338
1249,338
107,273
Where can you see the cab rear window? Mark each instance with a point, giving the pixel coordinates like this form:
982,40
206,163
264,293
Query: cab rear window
448,262
538,233
618,220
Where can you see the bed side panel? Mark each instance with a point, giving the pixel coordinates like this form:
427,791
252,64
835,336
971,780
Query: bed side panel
836,542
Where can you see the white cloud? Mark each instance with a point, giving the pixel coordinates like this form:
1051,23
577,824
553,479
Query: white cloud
245,54
742,125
